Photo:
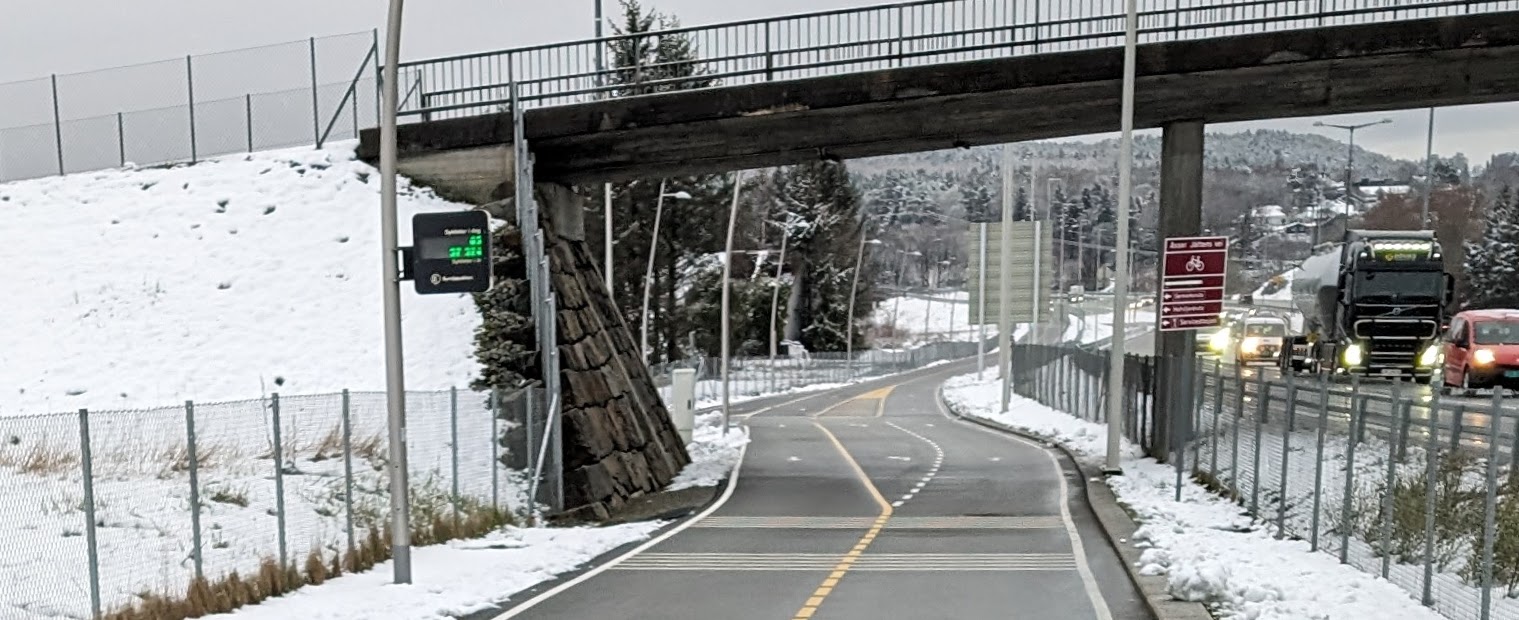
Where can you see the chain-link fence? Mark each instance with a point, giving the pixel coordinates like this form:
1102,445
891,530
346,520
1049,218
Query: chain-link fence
1394,478
108,509
749,377
188,109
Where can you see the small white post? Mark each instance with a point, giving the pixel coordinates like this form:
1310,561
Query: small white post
683,401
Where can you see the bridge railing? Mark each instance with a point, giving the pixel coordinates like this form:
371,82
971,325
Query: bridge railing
836,42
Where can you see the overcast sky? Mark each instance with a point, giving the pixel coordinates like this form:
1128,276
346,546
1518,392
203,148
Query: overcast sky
65,36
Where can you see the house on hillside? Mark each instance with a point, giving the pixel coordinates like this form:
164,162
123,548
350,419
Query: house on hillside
1269,216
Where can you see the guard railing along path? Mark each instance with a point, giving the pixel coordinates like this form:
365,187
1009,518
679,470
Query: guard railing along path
1392,477
865,39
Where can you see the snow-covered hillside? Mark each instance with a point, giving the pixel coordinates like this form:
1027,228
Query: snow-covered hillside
222,280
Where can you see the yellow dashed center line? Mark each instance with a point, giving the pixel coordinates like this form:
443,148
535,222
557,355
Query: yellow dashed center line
818,596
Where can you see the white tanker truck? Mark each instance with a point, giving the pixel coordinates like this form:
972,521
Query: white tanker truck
1375,304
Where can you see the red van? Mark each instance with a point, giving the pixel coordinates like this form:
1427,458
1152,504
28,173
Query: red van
1482,349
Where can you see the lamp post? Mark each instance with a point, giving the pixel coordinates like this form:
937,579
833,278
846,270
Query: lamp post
648,276
606,188
859,260
1114,463
1429,172
395,380
1349,164
775,290
738,184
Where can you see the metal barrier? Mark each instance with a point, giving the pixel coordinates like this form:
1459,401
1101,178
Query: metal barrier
865,39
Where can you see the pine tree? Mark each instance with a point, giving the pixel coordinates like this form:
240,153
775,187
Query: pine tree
1492,265
1021,211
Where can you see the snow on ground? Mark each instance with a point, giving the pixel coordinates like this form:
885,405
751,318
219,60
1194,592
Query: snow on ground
452,580
713,454
1210,550
921,319
224,280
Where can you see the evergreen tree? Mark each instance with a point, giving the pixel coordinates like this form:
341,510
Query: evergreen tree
1492,265
825,233
976,198
1021,210
505,342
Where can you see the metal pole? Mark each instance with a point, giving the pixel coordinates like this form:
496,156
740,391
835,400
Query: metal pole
121,140
1431,455
495,405
316,112
1004,281
738,183
1121,285
248,111
1490,505
648,276
453,448
195,549
348,472
279,478
981,308
57,125
607,249
1318,466
775,294
395,378
1429,178
854,287
1393,422
87,463
190,93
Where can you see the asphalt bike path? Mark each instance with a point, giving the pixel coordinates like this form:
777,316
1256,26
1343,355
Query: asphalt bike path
868,502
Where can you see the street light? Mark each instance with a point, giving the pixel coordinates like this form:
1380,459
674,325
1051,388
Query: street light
849,320
648,277
738,185
1121,285
1349,164
775,286
395,381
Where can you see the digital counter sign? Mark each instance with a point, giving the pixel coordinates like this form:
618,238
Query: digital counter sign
451,252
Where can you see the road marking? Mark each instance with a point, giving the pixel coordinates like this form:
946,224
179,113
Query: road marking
881,562
1088,581
932,471
821,593
610,564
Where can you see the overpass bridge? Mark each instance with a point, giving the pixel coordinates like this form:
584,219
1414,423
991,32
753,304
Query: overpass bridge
937,74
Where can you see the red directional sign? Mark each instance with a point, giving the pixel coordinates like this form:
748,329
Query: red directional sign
1192,285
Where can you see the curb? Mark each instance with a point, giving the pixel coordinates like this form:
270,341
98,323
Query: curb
1117,526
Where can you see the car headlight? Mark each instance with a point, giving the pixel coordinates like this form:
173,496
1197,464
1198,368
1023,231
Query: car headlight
1250,345
1430,356
1219,340
1484,357
1353,355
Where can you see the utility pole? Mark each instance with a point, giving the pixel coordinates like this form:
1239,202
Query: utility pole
606,188
1429,173
738,184
1004,281
981,308
1121,285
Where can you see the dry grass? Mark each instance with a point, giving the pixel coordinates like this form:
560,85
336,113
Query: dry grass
175,459
227,495
40,459
205,597
371,448
331,445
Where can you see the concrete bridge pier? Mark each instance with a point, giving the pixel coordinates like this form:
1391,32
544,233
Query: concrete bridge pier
617,440
1181,210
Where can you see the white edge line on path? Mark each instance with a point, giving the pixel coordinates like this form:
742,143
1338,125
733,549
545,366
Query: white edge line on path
586,576
1099,604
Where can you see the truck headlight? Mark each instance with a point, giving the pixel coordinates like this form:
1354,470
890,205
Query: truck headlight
1250,345
1484,357
1353,355
1430,356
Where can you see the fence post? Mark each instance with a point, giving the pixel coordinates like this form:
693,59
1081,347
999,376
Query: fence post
87,462
316,111
1318,467
279,478
1393,444
57,126
1218,406
1357,420
190,94
495,404
1262,406
453,448
769,60
248,111
1431,452
195,548
1281,503
1490,506
121,140
348,471
1458,417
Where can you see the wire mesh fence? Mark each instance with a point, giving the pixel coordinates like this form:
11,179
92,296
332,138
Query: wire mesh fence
1396,479
185,110
108,508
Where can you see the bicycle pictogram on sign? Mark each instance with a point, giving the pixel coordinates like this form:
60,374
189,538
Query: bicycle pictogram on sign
1196,264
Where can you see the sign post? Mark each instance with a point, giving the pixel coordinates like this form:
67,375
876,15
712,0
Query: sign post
1192,282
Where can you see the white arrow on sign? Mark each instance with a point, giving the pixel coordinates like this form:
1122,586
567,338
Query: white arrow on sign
1168,296
1165,322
